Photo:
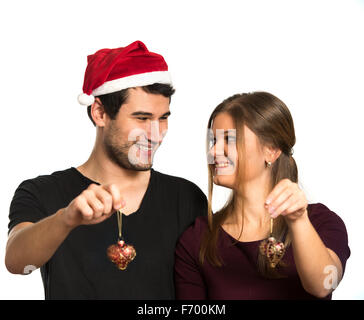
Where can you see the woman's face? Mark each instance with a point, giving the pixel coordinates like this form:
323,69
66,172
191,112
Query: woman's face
223,153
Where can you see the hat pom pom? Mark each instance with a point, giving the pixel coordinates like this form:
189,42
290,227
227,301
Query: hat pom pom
86,99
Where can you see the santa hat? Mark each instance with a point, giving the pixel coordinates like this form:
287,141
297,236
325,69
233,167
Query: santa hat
111,70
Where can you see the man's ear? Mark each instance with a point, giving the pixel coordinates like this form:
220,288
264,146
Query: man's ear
98,113
271,154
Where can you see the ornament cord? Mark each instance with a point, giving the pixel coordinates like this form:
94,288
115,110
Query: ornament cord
119,215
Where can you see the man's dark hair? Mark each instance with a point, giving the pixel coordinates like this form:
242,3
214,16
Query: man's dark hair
112,102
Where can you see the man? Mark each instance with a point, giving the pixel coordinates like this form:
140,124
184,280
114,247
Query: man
64,222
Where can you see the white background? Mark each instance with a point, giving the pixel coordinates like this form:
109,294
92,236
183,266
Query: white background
308,53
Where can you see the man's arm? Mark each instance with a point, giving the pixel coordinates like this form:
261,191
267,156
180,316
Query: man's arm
33,244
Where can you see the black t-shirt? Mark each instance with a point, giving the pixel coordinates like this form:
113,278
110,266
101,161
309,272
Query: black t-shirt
80,268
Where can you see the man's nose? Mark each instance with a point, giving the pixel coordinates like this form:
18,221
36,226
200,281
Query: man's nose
155,132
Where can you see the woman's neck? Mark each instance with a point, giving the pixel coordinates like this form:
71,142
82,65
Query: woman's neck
250,205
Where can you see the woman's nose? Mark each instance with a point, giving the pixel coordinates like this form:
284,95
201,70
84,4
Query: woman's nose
218,149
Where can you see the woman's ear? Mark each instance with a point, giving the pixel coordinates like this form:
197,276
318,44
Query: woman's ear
98,113
271,154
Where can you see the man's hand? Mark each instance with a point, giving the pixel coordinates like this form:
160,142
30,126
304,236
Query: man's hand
93,205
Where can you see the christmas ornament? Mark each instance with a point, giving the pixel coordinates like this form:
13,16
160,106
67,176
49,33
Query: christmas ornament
271,248
121,253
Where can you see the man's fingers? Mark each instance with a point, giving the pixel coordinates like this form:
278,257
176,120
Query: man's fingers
83,207
117,200
96,205
106,199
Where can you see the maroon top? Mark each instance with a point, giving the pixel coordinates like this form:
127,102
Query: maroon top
239,277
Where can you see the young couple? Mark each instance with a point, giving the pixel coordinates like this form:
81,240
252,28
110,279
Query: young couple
265,243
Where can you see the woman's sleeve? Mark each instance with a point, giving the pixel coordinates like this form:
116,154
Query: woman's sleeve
189,283
332,231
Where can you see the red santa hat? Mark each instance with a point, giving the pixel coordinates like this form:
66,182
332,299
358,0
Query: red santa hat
111,70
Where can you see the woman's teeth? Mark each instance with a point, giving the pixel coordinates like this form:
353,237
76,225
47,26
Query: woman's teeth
144,148
222,165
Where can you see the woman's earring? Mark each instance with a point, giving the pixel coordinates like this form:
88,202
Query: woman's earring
268,164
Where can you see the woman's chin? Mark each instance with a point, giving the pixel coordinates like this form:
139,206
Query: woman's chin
223,181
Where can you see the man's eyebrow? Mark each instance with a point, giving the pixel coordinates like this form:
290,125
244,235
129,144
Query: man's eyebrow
148,114
142,113
167,114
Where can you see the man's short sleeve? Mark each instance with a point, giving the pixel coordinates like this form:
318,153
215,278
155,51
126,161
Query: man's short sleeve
25,205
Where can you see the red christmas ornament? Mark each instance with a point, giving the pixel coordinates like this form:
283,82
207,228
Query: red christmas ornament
121,253
271,248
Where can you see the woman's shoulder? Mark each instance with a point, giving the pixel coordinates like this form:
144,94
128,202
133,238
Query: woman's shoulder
319,214
198,226
331,229
327,223
194,232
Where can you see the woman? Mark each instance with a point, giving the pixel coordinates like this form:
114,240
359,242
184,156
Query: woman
266,242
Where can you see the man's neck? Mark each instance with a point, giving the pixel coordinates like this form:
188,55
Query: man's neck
102,170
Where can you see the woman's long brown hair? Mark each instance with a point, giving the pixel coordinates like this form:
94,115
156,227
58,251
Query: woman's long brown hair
269,118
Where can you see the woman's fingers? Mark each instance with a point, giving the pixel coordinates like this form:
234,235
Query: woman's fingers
277,190
286,198
284,206
275,208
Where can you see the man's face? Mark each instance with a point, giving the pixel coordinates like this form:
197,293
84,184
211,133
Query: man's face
140,125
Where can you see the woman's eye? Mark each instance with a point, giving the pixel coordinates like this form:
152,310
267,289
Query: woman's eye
230,139
143,119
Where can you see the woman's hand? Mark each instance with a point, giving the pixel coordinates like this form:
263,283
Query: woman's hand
288,200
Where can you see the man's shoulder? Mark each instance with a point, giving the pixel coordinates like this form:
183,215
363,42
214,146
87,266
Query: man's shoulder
38,197
44,182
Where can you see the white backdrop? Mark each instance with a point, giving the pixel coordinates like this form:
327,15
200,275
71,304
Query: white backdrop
308,53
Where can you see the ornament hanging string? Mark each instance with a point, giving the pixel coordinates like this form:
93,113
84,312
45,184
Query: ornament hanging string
120,225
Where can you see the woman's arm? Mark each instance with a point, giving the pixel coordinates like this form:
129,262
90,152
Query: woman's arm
315,263
318,267
189,283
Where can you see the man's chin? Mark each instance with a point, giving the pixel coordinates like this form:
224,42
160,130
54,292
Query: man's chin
141,167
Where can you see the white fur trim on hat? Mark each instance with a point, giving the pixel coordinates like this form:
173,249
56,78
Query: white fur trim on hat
85,99
136,80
